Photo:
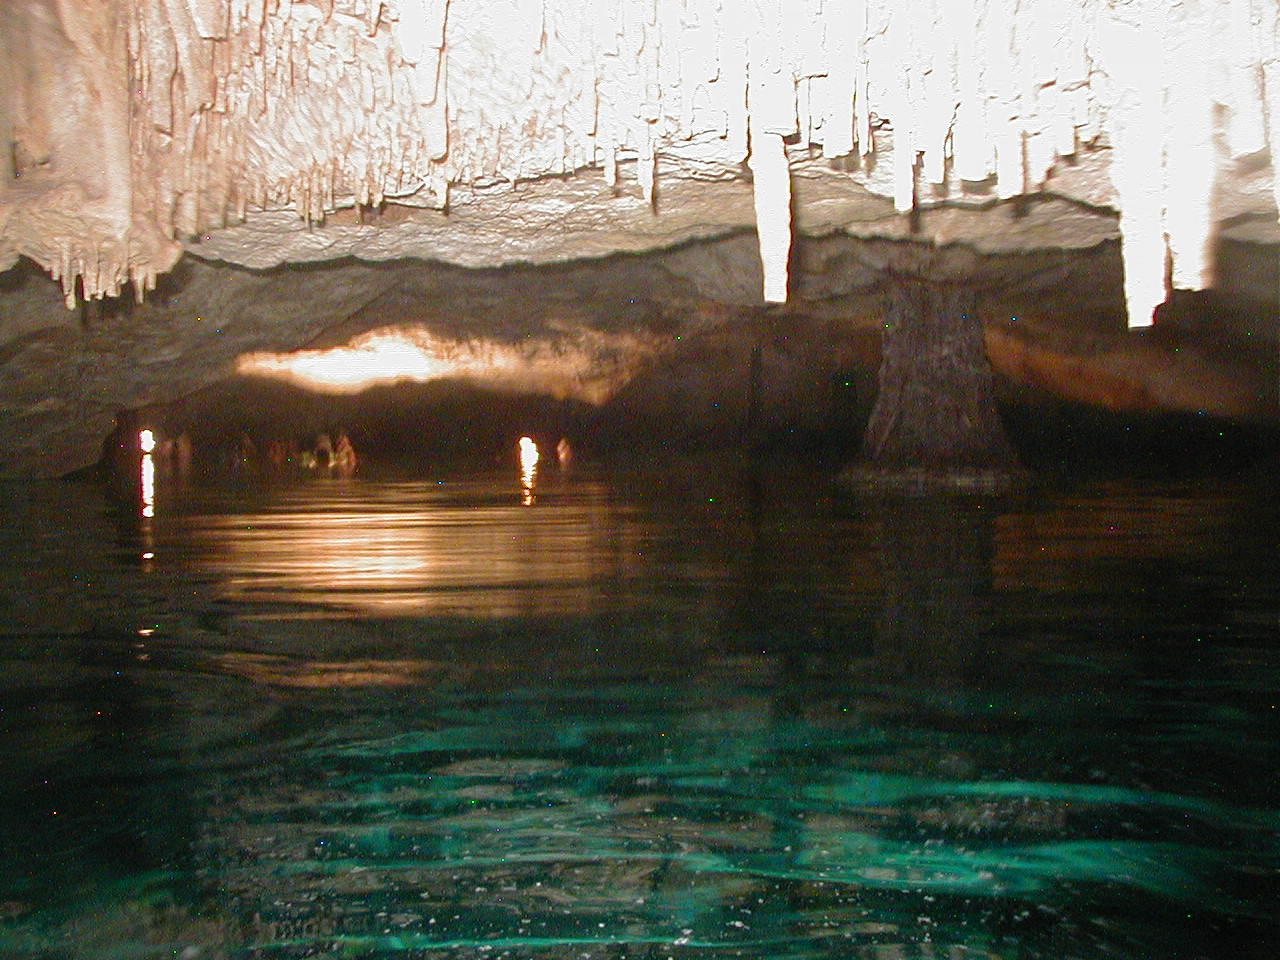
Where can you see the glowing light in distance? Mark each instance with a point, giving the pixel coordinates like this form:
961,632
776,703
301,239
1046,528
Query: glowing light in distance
528,467
570,361
374,359
147,441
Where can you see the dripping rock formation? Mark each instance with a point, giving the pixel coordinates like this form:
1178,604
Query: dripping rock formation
645,207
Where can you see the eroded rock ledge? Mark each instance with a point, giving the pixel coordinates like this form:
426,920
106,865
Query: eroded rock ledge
647,341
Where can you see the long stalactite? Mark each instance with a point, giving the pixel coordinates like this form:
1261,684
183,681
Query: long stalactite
132,126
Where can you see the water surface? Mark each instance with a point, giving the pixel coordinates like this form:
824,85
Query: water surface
674,712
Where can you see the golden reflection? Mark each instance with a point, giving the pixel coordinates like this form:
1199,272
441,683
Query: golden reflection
581,363
1040,548
311,674
148,479
408,549
147,476
528,468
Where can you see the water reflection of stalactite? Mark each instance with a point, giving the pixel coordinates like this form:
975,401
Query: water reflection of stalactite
936,555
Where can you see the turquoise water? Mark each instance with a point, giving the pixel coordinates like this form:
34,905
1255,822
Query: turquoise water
672,712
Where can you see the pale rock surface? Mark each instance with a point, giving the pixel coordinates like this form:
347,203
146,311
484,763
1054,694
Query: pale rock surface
144,141
239,128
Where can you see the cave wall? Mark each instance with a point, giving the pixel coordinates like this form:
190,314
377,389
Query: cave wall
1083,157
659,344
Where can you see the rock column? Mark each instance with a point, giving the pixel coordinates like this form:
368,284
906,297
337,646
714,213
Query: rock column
935,421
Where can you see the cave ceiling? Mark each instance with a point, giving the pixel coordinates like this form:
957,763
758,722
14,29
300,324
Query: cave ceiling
490,132
186,153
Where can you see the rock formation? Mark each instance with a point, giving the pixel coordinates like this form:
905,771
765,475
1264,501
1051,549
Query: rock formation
499,133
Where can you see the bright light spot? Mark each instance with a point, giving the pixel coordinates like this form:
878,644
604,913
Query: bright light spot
375,359
585,364
147,441
148,479
528,467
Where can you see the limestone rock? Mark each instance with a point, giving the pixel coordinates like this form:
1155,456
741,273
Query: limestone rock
516,131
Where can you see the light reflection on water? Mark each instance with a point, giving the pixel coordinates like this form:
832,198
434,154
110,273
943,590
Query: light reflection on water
666,716
401,550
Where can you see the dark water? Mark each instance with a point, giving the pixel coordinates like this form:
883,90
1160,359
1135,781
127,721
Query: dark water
658,713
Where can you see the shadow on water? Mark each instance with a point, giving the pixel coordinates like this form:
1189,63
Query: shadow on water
936,558
649,711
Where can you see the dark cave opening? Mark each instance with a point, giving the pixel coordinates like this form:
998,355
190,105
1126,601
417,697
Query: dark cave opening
248,427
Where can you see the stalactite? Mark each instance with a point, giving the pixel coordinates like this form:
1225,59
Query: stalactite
733,78
772,193
970,148
257,104
1269,42
1190,161
1245,127
645,171
903,118
1136,132
839,89
937,95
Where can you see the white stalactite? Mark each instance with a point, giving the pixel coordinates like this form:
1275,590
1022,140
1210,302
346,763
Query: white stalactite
1132,49
1190,155
1246,131
1269,24
241,104
772,115
645,171
839,88
772,194
971,152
